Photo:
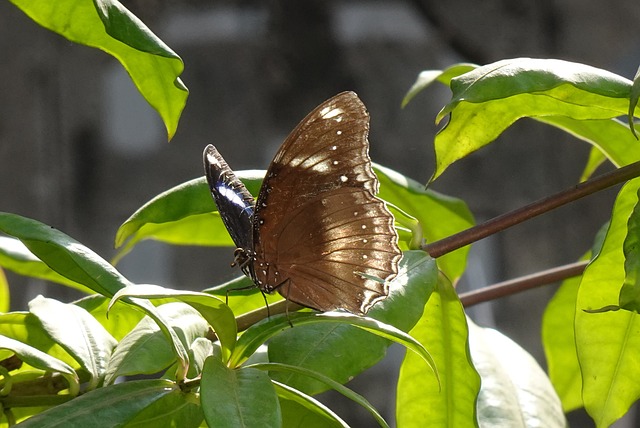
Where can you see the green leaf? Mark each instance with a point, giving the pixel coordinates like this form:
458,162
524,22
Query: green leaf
187,215
199,350
326,349
262,331
217,314
348,393
64,254
16,257
152,65
608,343
25,327
315,347
299,409
611,139
428,77
443,329
179,350
558,339
241,397
40,360
408,292
115,405
4,292
122,317
630,292
182,215
489,99
242,295
596,158
175,409
145,349
78,333
633,102
515,391
440,216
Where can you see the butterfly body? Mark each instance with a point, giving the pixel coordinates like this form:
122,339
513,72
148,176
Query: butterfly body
317,233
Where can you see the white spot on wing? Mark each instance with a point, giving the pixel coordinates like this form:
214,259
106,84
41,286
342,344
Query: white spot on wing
328,112
231,195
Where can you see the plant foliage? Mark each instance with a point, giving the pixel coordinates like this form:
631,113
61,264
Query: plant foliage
67,364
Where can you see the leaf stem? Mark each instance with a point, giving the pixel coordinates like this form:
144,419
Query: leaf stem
280,307
504,221
516,285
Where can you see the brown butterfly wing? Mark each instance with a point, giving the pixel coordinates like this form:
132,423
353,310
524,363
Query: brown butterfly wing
318,225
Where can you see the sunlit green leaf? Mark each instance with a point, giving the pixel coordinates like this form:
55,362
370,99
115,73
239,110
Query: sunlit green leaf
199,350
558,338
217,314
175,409
611,139
515,391
238,397
439,215
15,256
608,343
276,367
121,319
428,77
242,295
78,333
4,292
152,65
633,102
325,348
114,405
490,98
183,215
187,215
145,349
630,292
299,409
25,327
64,254
443,330
40,360
382,330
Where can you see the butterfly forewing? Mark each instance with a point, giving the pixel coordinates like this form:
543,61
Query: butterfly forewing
327,150
318,226
235,203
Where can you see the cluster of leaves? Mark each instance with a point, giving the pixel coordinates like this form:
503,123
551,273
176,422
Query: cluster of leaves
59,362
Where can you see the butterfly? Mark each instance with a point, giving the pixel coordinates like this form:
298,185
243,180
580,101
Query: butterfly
317,233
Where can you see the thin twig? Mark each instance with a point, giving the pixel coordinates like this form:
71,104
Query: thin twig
504,221
523,283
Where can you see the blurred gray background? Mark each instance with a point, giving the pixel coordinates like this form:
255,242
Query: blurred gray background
81,150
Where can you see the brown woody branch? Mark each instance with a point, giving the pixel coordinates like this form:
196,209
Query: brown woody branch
504,221
517,285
